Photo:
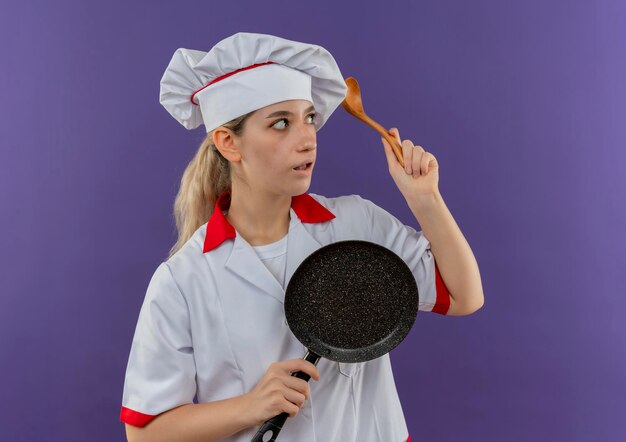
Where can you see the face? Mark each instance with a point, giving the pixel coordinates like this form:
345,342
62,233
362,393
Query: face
275,140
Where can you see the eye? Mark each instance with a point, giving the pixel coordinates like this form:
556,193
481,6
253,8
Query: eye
312,115
279,121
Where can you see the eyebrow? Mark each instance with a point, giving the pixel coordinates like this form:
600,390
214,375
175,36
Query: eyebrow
284,113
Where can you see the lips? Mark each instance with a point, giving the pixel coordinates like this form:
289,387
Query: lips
303,166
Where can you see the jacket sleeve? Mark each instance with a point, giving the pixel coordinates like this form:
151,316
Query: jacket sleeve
161,373
414,248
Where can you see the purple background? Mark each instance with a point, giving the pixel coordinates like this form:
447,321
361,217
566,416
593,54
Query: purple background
520,102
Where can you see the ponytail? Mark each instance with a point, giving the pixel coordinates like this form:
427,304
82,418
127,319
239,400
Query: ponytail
206,177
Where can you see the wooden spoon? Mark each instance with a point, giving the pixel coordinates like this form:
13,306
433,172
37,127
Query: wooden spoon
353,104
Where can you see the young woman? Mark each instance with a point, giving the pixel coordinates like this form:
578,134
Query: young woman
212,324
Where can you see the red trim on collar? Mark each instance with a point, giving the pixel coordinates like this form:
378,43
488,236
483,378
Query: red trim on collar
219,229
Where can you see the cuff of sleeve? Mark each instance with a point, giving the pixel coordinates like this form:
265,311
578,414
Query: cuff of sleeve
443,296
135,418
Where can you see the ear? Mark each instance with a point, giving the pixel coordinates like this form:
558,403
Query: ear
227,143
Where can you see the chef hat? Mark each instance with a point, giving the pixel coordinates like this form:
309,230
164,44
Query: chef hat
245,72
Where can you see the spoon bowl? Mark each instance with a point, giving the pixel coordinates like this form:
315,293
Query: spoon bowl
353,104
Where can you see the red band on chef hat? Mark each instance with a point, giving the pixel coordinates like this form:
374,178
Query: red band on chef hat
226,76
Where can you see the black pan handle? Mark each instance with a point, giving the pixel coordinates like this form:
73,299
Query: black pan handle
270,429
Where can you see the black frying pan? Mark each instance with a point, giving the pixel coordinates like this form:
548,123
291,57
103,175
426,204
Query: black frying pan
349,301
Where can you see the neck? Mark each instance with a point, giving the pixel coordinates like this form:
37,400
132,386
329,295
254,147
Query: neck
260,217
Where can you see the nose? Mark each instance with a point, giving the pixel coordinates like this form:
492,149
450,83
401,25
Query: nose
309,146
308,138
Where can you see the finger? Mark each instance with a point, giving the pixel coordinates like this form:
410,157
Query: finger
394,131
295,397
298,385
392,161
407,154
290,408
417,159
424,163
293,365
396,134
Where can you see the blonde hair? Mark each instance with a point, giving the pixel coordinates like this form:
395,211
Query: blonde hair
207,175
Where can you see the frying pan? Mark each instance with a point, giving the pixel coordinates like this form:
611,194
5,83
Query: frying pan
349,301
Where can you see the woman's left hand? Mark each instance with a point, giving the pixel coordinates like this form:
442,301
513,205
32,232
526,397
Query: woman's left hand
420,175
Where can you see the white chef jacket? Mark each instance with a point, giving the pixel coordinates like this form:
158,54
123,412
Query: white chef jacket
274,256
212,321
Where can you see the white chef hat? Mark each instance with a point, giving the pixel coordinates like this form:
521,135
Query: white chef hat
245,72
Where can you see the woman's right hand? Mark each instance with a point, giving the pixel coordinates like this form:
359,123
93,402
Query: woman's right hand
278,391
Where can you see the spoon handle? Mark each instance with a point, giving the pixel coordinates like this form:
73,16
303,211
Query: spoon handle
393,142
395,145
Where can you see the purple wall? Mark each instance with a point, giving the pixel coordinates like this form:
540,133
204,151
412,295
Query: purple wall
521,103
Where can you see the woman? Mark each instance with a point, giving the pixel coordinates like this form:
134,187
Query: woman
212,324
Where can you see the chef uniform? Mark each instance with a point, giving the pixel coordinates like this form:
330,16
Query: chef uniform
213,320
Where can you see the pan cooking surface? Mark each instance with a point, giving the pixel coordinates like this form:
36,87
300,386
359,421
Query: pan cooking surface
351,301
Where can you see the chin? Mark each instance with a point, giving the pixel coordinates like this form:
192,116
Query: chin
301,189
